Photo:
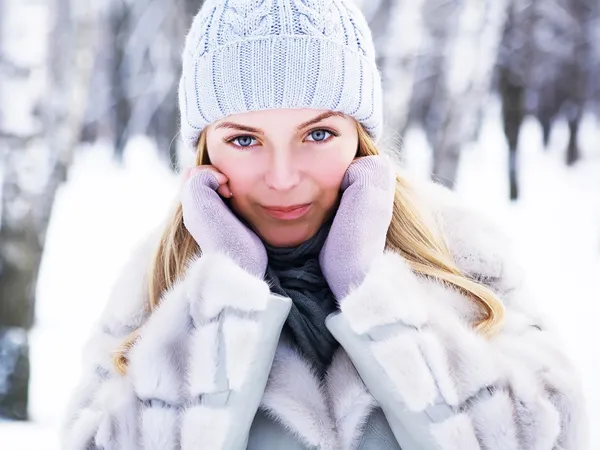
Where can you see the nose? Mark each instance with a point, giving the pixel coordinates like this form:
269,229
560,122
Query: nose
283,173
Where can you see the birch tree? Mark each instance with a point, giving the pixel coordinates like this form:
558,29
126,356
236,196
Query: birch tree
41,84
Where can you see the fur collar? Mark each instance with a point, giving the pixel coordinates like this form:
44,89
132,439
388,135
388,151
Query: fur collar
327,415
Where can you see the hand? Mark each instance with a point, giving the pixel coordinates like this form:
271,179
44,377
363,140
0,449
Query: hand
212,223
359,230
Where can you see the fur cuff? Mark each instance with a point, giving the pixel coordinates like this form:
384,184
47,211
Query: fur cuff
385,297
218,283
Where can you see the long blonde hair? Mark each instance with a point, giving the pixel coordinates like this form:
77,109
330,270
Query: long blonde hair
422,245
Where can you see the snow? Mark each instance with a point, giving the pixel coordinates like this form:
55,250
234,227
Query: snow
104,209
100,213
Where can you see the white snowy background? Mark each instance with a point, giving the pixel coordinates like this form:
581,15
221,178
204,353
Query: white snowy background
105,208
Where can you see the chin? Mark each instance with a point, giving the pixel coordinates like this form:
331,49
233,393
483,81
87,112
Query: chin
290,235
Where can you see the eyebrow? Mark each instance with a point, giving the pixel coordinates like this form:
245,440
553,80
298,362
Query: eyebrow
319,118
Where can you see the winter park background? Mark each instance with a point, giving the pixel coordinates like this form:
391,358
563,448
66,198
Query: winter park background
498,99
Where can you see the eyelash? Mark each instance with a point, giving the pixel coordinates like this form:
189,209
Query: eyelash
333,134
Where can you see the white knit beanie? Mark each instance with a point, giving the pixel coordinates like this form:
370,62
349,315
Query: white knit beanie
247,55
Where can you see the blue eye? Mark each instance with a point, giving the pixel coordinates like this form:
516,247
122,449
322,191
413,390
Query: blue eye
319,135
243,141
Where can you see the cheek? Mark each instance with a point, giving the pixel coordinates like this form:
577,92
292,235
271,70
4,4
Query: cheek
243,175
242,181
327,170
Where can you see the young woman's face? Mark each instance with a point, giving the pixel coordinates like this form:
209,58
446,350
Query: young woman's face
285,167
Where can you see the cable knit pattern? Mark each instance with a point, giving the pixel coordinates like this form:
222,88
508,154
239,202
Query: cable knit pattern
242,19
245,55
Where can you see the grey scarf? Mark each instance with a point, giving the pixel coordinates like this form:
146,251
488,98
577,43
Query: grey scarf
295,273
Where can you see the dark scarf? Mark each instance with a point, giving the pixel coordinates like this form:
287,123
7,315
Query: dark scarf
295,273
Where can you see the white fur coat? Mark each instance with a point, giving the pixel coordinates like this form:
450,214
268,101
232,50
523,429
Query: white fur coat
210,356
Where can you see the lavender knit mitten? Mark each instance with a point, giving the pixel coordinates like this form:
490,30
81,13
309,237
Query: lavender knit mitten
359,229
216,228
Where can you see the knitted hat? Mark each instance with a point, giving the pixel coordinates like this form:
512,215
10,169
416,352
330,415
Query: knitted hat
247,55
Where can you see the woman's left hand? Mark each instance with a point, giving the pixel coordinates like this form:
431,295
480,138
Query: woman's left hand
359,230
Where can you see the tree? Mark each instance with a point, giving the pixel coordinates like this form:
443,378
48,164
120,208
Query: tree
136,73
36,143
390,21
515,60
453,75
545,55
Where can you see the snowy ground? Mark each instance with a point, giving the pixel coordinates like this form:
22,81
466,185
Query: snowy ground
105,209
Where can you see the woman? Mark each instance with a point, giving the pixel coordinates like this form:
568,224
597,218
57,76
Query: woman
304,295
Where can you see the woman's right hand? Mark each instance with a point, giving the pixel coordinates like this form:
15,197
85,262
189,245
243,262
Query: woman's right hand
212,223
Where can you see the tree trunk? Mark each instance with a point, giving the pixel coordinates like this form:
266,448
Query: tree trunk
396,55
573,154
513,114
578,73
21,218
119,24
36,143
470,33
517,57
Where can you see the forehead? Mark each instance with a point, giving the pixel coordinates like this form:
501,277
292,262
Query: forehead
275,118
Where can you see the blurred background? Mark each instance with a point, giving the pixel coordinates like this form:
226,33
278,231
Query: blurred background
497,99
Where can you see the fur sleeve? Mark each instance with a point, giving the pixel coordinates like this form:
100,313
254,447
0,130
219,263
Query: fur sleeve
196,374
448,386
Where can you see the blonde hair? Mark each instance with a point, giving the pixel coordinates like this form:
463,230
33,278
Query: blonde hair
421,245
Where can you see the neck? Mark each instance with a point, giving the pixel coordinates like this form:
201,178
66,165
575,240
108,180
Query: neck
299,254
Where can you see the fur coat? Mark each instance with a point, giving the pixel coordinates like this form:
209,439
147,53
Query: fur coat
211,356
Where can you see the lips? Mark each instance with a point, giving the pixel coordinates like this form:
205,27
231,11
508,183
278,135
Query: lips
287,212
